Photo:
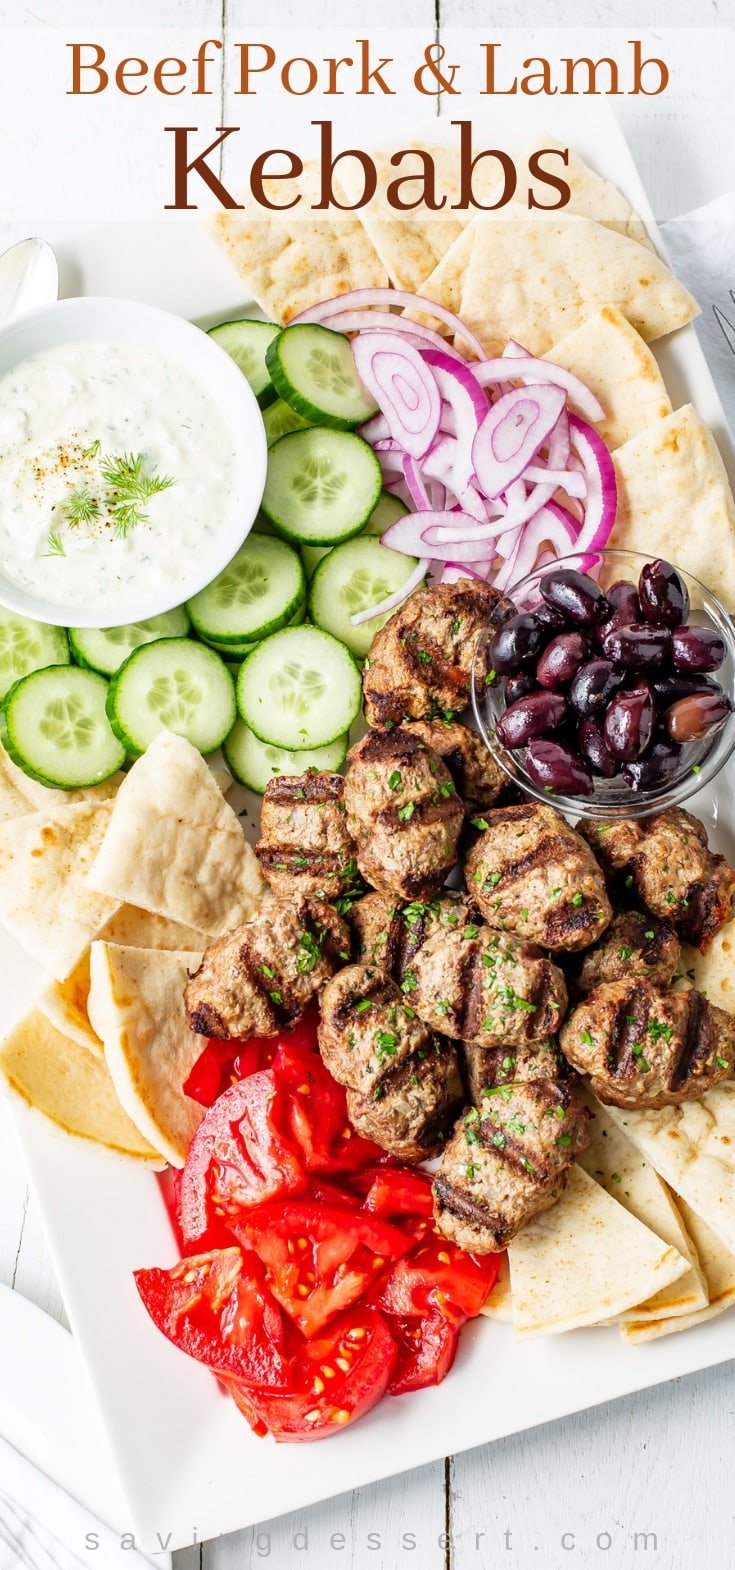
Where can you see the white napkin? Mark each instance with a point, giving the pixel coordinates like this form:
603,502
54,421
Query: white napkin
43,1528
701,245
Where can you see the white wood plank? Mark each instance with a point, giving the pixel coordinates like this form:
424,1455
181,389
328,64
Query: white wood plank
390,1524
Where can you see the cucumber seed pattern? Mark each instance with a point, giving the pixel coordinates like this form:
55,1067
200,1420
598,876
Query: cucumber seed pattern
318,481
328,374
68,724
297,688
241,584
175,698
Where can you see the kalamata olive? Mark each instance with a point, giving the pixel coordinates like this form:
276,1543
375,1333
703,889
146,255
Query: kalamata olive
623,596
593,687
533,716
663,594
697,716
669,689
611,623
628,724
551,618
659,763
697,649
517,642
639,648
561,659
556,769
594,749
578,597
518,686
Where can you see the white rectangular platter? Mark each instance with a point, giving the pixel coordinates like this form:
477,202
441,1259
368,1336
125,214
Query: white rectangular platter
189,1465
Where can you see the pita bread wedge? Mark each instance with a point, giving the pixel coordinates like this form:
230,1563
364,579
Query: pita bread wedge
498,1303
537,280
39,796
610,357
175,847
713,973
594,197
290,259
674,500
692,1147
586,1260
615,1163
45,899
70,1087
136,1006
65,1002
13,801
718,1264
409,244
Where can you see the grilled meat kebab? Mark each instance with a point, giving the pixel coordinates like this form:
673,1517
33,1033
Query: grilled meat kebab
420,663
304,844
404,1085
403,813
633,945
649,1046
532,874
673,871
388,934
486,1068
479,780
262,976
486,987
506,1162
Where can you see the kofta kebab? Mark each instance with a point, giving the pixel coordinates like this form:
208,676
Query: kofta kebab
446,1014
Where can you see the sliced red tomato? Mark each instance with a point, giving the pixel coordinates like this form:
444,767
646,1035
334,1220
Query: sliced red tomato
336,1379
319,1258
223,1063
438,1277
317,1112
239,1157
217,1308
427,1346
399,1191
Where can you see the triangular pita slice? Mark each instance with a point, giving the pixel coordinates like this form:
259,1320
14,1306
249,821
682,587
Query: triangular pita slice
612,1160
537,280
45,899
136,1006
65,1002
409,244
43,796
585,1260
718,1264
290,259
674,500
692,1146
72,1088
13,801
498,1304
592,196
610,357
713,973
175,847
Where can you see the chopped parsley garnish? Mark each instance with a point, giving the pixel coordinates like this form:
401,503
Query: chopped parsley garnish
586,1039
578,899
563,1139
409,983
365,1003
470,932
407,812
722,1062
386,1044
479,823
624,952
394,780
637,1052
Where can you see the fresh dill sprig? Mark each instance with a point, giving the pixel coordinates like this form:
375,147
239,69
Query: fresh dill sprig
80,507
92,450
54,544
129,489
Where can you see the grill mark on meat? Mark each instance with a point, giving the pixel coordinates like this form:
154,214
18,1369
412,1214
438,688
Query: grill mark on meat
544,851
379,989
328,863
541,996
470,988
283,1012
631,1026
425,810
461,1204
379,746
695,1043
312,789
568,919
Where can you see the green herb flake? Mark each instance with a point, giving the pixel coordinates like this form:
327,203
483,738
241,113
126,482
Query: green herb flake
394,780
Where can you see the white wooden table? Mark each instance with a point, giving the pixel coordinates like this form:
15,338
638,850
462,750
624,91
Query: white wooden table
647,1480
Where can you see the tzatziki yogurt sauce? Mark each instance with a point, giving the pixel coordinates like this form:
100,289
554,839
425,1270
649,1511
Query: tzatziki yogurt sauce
74,417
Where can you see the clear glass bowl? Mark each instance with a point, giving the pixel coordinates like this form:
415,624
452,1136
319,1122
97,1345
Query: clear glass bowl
610,799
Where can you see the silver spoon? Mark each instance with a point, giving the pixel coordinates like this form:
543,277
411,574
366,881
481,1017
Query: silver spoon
29,277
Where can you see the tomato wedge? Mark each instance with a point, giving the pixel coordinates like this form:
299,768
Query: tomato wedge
427,1347
397,1191
223,1063
334,1381
319,1257
317,1113
216,1308
239,1157
437,1275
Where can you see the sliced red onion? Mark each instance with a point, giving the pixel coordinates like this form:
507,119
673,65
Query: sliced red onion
391,601
601,502
469,406
415,484
453,571
402,386
569,480
531,371
389,321
374,430
512,434
425,534
357,299
549,527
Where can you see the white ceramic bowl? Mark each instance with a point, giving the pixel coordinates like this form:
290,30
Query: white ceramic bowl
180,343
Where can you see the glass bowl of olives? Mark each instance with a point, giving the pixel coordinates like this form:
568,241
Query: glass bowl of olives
606,683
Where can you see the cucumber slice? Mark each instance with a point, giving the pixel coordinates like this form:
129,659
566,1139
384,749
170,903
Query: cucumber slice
240,651
313,369
350,579
255,762
173,684
279,420
55,728
105,649
300,689
258,593
247,343
321,486
27,646
388,511
311,555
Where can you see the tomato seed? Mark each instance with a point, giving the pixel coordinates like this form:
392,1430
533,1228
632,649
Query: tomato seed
318,1386
341,1417
343,1364
328,1372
